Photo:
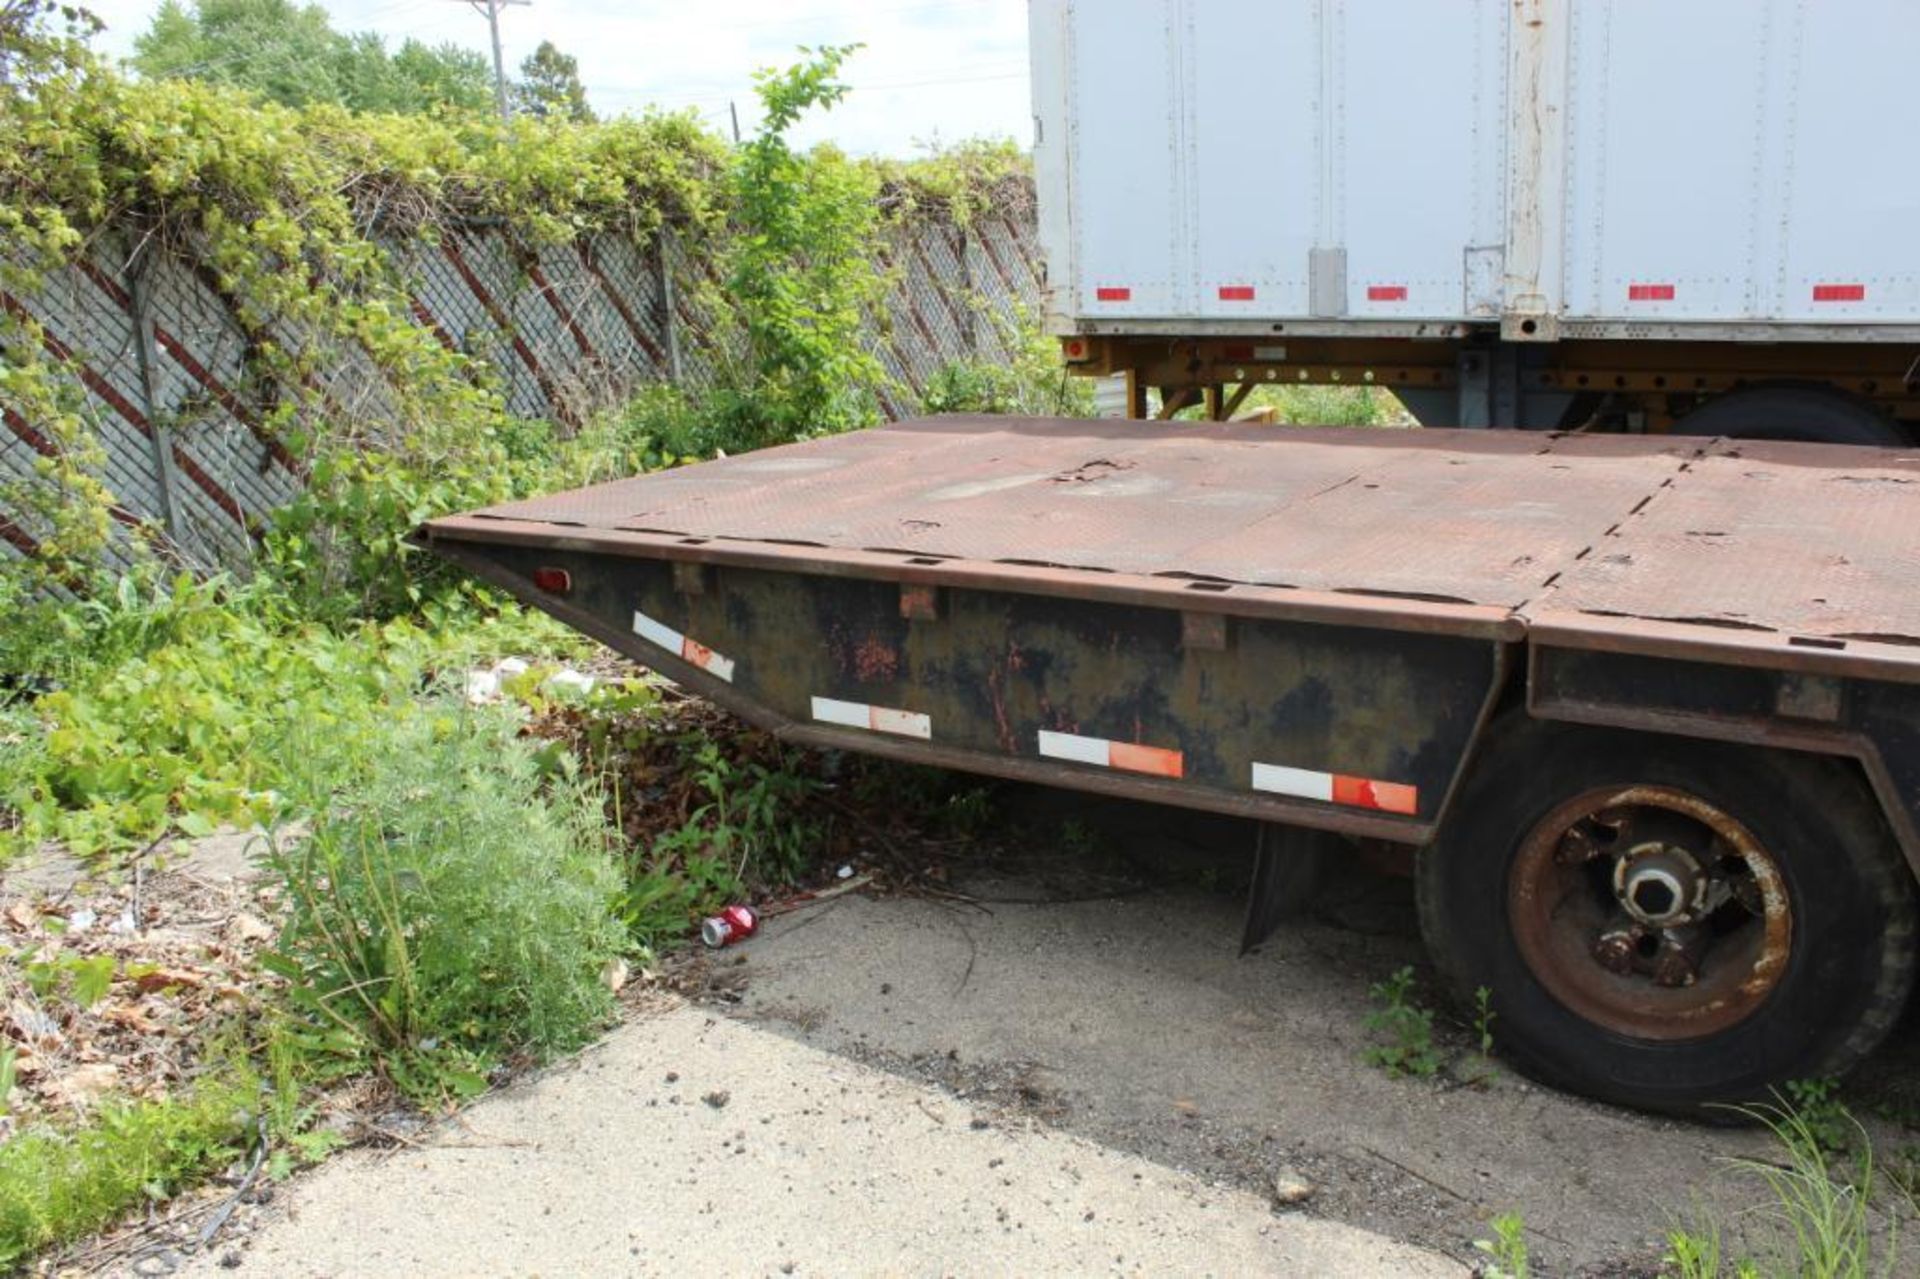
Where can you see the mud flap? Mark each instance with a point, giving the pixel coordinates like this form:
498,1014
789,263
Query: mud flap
1289,865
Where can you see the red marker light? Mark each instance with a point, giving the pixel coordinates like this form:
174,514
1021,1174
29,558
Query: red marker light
554,581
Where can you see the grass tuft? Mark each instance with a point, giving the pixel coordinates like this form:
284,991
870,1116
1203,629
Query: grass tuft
451,904
57,1184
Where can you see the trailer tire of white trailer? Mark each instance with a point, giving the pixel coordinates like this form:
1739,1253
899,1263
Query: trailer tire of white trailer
1792,411
1667,923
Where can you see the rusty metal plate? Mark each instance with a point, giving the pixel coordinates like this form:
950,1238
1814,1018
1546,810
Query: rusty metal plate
1470,517
1808,542
1796,541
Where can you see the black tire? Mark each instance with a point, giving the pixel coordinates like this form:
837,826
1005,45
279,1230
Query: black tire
1814,414
1849,894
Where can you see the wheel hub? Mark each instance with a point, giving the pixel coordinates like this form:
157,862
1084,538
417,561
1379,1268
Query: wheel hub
1660,884
1650,911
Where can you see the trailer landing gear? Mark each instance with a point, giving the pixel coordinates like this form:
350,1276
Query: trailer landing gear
1669,923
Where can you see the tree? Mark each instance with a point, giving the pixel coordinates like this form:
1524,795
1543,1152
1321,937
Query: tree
440,78
550,86
291,54
40,38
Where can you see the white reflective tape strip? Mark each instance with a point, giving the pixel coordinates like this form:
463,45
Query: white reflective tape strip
1071,746
879,719
903,723
690,650
1299,782
658,633
847,714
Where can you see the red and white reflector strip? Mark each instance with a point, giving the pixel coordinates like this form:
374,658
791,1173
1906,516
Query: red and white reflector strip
878,719
1236,293
1333,788
690,651
1113,293
1649,293
1125,756
1386,293
1839,293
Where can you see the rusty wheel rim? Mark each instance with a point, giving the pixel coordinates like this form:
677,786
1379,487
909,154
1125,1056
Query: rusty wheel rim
1650,912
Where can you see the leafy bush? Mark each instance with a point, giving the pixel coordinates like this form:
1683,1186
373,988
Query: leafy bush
752,818
174,705
1331,405
1032,382
22,746
183,733
449,907
56,1184
799,278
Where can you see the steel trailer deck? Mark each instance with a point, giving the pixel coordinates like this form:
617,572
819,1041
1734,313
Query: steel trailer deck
1304,624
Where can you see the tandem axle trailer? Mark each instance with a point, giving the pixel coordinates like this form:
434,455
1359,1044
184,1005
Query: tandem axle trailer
1649,709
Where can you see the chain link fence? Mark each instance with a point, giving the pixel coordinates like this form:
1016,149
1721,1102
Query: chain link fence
159,353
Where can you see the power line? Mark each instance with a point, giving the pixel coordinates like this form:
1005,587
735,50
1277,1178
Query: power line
492,8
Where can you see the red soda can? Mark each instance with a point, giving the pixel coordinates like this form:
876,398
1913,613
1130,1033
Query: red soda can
735,923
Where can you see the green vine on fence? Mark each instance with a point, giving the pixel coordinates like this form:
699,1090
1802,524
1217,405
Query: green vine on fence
300,218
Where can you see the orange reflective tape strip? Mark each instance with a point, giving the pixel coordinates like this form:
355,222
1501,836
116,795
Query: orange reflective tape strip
1364,792
1146,759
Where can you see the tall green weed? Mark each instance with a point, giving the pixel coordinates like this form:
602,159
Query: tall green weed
450,904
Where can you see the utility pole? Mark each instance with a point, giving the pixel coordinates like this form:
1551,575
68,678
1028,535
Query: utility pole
492,8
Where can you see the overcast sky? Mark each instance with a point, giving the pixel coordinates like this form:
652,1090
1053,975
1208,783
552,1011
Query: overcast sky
942,69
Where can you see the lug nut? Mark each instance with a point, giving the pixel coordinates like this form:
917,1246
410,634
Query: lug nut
1672,968
1615,950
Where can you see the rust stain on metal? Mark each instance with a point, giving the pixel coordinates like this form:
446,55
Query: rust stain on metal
1776,912
875,661
1697,981
997,698
919,602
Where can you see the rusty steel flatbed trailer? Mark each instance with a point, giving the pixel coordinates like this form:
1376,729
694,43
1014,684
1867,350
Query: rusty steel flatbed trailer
1649,707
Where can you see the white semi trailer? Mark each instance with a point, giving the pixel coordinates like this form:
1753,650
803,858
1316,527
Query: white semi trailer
1636,215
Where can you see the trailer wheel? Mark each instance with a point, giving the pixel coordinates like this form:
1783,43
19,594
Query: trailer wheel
1666,923
1814,414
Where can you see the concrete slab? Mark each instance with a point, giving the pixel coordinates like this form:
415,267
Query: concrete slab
687,1143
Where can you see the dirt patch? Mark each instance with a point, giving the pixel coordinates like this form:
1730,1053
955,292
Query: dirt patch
113,976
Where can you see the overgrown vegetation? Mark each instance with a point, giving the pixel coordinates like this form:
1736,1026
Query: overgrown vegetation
458,884
302,217
1330,405
447,904
1032,383
176,699
59,1182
